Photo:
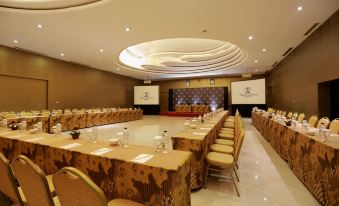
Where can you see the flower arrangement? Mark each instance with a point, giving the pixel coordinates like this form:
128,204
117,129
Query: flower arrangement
14,126
75,133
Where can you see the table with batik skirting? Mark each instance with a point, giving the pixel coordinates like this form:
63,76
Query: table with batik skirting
198,141
164,180
315,163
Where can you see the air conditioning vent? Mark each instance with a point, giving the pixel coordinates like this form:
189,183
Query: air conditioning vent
246,75
287,51
311,29
29,51
73,62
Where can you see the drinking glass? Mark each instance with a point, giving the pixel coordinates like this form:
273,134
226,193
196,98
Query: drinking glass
158,143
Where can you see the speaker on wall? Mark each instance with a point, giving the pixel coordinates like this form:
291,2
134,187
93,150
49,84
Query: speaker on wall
170,100
225,98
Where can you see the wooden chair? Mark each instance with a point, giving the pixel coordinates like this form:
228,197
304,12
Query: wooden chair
313,120
324,120
334,126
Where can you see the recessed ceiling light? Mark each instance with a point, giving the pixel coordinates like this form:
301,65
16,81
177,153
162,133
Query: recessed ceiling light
255,61
118,69
62,54
39,26
250,37
16,41
264,50
127,29
256,70
101,50
300,8
265,198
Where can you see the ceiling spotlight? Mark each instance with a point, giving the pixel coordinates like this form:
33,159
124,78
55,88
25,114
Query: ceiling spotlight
300,8
127,29
256,70
62,54
255,61
264,50
16,41
250,37
39,26
118,69
101,50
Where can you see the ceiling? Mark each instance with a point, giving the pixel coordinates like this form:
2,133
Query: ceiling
163,39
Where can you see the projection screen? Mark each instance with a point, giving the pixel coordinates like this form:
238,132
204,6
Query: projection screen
146,95
248,92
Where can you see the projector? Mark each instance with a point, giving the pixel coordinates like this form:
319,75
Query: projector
147,81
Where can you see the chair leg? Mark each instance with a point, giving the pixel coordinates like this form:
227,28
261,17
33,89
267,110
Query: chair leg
236,164
235,172
235,185
206,176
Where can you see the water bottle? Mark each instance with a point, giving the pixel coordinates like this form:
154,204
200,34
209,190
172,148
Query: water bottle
58,129
39,126
165,142
322,133
125,137
4,123
94,134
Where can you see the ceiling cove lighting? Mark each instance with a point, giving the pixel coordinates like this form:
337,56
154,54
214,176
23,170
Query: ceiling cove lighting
300,8
250,37
16,41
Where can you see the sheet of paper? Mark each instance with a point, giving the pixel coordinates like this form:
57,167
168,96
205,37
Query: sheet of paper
199,133
35,139
205,128
101,151
142,158
68,146
17,136
334,135
209,125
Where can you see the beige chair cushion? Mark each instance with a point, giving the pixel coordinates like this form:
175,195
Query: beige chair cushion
224,142
334,126
230,120
227,131
219,159
228,124
222,149
226,136
123,202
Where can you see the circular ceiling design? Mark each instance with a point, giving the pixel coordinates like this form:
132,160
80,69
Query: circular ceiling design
44,4
182,56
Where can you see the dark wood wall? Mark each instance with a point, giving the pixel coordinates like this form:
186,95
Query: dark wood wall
293,84
29,81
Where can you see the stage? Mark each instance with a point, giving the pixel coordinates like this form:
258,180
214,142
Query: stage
181,114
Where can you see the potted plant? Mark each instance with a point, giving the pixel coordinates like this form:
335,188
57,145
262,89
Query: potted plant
75,133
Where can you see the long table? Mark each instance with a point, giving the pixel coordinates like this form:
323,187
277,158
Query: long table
80,120
192,108
315,163
162,180
198,141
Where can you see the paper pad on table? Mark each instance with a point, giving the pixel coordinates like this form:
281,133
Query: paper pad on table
16,136
101,151
68,146
199,133
35,139
142,158
205,128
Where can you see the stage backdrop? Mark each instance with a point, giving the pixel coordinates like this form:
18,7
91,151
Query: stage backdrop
216,97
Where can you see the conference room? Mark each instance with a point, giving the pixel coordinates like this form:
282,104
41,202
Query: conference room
178,103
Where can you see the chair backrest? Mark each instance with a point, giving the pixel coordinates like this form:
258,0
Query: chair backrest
334,126
295,115
324,120
32,181
301,117
289,115
313,120
239,144
10,116
7,182
67,182
283,113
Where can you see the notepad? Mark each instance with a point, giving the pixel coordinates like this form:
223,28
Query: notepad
35,139
142,158
101,151
68,146
199,133
16,136
334,135
209,125
205,128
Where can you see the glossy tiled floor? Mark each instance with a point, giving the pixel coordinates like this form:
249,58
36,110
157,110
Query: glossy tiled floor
265,179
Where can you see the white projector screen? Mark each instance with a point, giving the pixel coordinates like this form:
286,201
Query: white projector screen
248,92
146,95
